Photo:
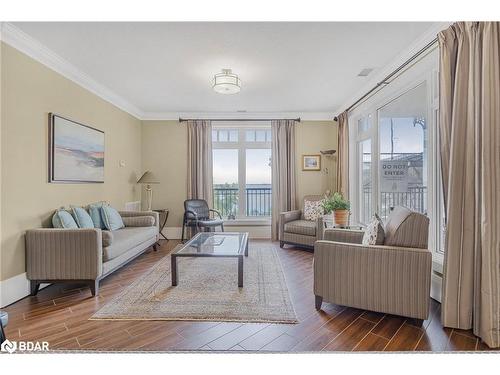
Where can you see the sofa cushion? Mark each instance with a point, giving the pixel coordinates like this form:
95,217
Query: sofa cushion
406,228
107,238
127,238
138,221
63,219
374,232
95,214
111,218
313,209
304,227
82,217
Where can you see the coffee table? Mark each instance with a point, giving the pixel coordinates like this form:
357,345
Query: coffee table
213,245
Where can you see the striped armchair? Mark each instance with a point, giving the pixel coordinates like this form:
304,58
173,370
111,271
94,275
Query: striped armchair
393,278
294,229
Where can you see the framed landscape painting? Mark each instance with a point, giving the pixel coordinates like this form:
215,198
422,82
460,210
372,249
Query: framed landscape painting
311,162
76,152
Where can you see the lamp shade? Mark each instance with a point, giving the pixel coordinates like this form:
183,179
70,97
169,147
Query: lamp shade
226,82
148,178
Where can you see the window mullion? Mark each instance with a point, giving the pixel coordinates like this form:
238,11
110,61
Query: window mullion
241,175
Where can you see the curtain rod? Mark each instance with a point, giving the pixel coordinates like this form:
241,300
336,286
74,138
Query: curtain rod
385,81
238,119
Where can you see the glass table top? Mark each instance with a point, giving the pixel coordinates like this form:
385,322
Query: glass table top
215,244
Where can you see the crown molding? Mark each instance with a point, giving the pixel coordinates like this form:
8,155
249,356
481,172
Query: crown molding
413,48
37,51
305,116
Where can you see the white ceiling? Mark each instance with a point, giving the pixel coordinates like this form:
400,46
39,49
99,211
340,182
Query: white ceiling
284,67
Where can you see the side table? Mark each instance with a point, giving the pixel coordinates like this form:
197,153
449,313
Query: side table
163,212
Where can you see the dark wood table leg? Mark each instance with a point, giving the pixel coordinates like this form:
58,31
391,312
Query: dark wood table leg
240,271
163,226
173,269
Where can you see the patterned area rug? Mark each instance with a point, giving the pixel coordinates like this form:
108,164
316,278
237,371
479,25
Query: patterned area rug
208,290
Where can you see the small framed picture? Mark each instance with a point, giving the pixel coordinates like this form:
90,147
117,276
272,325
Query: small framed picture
311,162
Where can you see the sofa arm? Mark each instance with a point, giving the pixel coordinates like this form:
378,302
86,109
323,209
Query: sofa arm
343,235
394,280
63,254
138,221
286,217
155,215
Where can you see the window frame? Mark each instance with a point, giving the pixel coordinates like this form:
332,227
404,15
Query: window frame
242,145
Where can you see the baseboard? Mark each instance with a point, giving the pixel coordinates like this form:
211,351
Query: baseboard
172,233
255,232
14,289
436,286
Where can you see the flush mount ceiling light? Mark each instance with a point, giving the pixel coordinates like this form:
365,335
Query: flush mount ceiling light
226,82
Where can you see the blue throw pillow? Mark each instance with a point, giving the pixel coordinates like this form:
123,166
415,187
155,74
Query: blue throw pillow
63,219
111,218
82,217
95,214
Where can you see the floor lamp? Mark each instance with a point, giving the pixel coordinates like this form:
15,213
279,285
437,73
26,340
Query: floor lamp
148,179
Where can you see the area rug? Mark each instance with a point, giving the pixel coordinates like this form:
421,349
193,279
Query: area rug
208,290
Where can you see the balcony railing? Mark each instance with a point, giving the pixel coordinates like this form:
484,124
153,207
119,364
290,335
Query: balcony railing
415,199
258,201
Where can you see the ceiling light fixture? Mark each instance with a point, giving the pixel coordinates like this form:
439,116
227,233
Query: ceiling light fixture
226,82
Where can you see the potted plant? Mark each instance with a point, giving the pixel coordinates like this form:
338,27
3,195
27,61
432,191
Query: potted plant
340,206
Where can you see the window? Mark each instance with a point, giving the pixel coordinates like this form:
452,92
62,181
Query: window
242,170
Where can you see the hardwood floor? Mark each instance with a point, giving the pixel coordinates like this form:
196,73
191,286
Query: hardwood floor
59,315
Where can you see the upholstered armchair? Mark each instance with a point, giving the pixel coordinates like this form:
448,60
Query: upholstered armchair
295,229
392,278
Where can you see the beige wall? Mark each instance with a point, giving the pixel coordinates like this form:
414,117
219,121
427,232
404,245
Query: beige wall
29,92
164,151
310,138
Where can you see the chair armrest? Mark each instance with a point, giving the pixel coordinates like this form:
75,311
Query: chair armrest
320,228
343,235
63,254
216,212
286,217
192,213
390,279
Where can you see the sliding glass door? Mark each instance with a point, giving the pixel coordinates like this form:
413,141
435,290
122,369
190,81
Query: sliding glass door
403,148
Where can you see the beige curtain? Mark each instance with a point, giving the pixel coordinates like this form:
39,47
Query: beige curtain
343,156
200,160
470,156
283,170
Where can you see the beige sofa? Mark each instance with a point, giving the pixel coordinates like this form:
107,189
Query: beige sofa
295,230
393,278
87,255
